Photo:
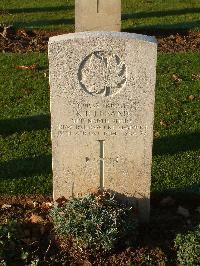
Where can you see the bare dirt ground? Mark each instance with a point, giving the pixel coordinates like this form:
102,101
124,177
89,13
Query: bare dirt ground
22,40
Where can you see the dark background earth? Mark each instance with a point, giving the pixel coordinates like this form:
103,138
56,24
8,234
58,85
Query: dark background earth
22,40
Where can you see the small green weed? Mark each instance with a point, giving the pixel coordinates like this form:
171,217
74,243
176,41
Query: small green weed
12,251
188,248
96,221
8,242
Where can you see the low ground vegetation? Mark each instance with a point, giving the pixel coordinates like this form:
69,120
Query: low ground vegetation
97,230
98,222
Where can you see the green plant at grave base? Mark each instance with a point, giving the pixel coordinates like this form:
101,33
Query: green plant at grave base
188,248
96,221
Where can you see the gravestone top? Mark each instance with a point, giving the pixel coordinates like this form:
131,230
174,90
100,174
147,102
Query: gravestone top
97,15
104,34
102,109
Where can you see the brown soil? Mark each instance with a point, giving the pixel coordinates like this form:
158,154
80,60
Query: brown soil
175,40
22,40
155,244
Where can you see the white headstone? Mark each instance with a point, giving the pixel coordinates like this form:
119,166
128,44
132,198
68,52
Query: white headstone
102,110
97,15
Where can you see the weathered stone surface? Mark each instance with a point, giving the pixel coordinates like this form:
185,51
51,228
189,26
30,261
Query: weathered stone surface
97,15
102,109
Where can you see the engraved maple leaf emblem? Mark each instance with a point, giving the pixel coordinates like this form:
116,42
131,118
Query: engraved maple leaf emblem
102,73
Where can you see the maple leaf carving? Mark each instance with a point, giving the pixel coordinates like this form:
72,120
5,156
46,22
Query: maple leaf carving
102,73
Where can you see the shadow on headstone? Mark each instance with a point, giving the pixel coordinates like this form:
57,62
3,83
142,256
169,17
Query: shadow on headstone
141,205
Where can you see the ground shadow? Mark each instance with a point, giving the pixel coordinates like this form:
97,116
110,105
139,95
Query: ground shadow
26,167
173,12
29,123
164,29
39,9
175,144
41,23
147,29
188,196
141,204
166,223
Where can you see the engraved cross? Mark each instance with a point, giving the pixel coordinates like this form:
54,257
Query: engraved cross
98,6
101,163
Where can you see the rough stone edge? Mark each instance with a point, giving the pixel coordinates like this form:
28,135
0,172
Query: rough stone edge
113,34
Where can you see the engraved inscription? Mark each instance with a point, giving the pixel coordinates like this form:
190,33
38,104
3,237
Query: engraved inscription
102,73
111,120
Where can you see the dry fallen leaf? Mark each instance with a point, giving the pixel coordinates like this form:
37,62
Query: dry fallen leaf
196,76
35,204
176,78
163,123
183,212
84,263
60,201
22,32
42,230
191,97
27,241
198,209
27,233
31,67
35,219
156,134
6,206
46,205
168,201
